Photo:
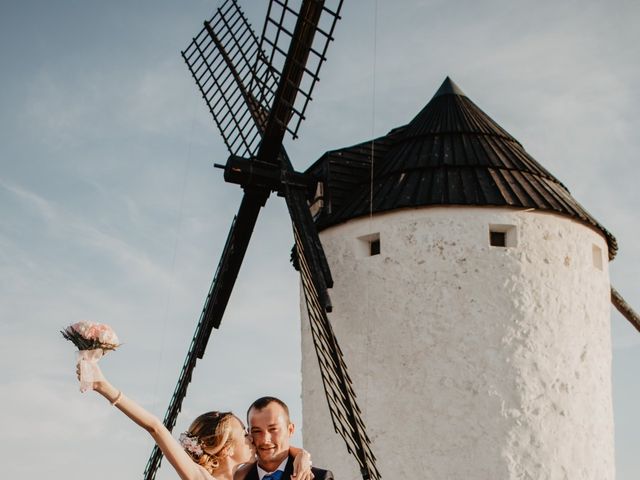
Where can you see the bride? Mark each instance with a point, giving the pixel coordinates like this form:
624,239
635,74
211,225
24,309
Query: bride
213,447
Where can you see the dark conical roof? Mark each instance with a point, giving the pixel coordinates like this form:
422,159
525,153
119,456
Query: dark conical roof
451,153
448,87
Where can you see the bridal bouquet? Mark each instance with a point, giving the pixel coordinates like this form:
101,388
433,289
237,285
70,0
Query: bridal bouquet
93,341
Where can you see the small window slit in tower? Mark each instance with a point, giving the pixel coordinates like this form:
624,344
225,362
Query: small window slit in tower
374,247
503,236
498,239
368,245
596,252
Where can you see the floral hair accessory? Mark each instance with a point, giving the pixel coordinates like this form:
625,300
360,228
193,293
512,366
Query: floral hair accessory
191,443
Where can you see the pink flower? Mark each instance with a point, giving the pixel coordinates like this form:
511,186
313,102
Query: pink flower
108,336
82,328
92,332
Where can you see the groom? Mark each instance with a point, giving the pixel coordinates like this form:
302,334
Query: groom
271,429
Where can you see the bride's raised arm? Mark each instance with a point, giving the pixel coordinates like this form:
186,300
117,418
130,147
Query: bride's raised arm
172,450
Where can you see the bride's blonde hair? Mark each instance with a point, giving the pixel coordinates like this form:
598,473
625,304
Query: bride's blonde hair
212,431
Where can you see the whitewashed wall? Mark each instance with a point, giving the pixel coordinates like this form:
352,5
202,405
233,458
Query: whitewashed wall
470,361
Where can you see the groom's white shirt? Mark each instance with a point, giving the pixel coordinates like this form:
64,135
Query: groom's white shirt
262,473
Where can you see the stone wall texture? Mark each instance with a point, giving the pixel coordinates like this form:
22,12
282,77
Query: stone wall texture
470,361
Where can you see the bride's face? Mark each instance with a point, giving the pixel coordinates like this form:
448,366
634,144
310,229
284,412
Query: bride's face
242,447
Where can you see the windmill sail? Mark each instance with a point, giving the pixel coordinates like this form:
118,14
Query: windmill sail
211,316
343,407
238,75
236,83
253,97
288,27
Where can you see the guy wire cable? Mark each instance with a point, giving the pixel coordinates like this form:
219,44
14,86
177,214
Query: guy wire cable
178,231
371,172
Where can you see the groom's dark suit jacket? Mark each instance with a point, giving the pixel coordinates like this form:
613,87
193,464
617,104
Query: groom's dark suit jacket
319,474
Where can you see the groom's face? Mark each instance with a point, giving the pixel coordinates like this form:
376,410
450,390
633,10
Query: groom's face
271,430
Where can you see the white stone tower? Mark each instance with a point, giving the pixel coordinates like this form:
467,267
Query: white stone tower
471,300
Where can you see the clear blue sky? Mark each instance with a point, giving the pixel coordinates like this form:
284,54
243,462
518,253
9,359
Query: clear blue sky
112,211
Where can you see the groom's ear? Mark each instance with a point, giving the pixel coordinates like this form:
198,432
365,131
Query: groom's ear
291,428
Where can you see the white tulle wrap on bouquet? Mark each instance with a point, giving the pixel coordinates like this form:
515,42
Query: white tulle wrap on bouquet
89,370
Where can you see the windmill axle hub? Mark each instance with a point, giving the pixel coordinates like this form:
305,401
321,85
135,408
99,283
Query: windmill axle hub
256,174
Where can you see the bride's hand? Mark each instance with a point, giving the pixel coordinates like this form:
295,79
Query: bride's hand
95,385
242,471
302,466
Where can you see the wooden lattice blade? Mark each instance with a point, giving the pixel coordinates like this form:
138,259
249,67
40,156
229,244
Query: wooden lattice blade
295,39
214,307
341,399
238,88
310,243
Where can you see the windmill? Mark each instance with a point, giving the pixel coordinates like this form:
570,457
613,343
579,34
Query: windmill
257,90
473,298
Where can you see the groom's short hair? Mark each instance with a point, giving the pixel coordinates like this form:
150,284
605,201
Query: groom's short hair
262,402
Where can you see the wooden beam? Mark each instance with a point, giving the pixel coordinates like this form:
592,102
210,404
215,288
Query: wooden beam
625,309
